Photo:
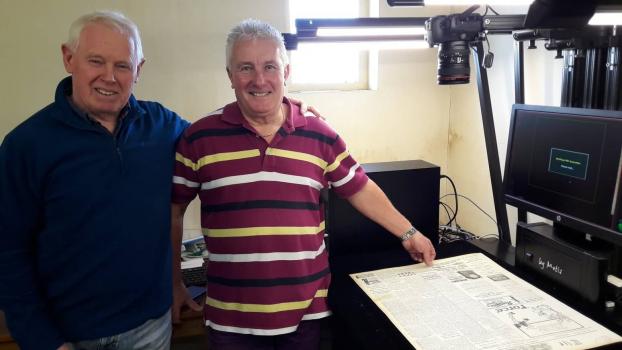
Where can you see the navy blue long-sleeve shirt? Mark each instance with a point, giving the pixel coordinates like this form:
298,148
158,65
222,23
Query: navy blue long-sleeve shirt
85,222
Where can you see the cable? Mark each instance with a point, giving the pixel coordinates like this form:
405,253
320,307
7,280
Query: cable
448,234
446,210
495,235
488,235
470,9
455,198
491,9
472,202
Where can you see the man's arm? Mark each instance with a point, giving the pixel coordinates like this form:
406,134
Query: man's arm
26,311
375,205
181,297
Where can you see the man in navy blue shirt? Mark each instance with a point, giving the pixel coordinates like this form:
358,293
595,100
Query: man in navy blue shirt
84,191
85,186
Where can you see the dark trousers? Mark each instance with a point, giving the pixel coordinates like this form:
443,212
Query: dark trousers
306,337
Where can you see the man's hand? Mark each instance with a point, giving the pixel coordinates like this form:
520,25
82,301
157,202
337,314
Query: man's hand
65,346
182,298
304,108
420,248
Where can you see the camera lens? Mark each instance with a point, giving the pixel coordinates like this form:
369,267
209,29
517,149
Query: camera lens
453,63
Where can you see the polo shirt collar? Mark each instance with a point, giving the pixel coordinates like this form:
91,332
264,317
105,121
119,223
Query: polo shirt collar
232,114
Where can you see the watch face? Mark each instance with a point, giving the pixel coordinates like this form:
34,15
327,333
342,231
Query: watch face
406,236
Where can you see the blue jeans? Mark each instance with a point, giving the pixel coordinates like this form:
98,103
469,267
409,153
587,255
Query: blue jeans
155,334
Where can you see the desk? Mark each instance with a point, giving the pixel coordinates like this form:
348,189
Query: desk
359,324
191,330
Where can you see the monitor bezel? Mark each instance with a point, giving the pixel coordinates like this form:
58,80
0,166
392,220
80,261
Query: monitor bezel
565,219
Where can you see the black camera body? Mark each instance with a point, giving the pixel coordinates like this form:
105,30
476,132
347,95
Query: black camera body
453,33
458,27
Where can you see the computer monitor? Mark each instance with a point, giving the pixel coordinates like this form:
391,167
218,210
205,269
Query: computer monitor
565,164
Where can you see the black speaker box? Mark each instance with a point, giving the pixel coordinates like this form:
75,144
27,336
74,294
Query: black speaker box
413,188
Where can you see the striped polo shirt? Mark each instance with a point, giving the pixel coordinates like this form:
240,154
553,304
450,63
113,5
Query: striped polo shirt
261,216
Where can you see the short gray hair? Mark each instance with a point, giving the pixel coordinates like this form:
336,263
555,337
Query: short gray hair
250,29
113,19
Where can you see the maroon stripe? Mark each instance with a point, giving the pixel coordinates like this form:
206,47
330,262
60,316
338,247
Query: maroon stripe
267,295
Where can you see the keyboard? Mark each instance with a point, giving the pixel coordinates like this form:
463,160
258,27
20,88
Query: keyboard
194,276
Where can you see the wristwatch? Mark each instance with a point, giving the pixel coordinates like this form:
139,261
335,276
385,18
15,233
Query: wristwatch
408,234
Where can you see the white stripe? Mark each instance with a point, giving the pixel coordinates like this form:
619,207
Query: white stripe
261,176
252,331
254,257
182,181
216,112
316,316
347,177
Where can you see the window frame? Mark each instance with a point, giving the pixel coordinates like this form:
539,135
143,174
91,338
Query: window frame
367,59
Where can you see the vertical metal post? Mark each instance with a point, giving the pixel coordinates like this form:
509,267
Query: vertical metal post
613,100
567,74
579,78
519,93
573,77
519,72
593,91
491,144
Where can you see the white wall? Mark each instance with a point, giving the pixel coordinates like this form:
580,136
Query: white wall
406,118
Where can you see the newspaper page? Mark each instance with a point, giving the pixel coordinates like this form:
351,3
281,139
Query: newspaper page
470,302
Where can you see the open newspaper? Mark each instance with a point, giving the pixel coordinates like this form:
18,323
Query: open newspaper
470,302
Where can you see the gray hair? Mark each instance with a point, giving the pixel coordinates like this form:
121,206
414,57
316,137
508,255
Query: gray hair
113,19
250,29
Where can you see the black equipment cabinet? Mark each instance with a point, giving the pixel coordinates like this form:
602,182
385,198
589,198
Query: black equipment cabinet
413,188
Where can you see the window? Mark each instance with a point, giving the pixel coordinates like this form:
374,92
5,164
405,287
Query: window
328,66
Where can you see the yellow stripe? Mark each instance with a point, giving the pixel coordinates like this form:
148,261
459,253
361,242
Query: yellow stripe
337,161
185,161
321,293
305,157
215,158
266,308
263,231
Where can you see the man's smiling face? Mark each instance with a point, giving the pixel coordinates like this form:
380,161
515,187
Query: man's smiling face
104,69
258,75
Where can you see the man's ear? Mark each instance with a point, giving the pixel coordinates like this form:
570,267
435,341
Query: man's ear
286,72
230,76
138,68
68,56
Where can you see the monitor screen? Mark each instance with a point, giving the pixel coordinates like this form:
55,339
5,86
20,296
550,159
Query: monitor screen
564,164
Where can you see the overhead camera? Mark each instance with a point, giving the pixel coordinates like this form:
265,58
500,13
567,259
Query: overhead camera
452,34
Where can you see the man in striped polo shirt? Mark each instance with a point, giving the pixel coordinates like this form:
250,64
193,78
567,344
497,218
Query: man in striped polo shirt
258,166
